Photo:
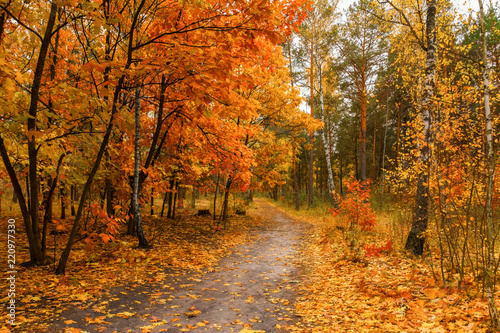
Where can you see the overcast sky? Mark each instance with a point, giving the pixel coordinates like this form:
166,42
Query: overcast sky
463,5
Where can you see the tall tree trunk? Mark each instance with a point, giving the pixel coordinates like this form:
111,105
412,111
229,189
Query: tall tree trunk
152,202
381,144
72,199
326,142
362,134
374,154
30,212
215,196
171,197
226,199
489,278
155,148
382,168
47,214
296,188
416,238
311,135
356,160
341,180
193,197
34,245
32,122
63,202
47,217
398,138
28,194
165,197
137,170
61,267
174,200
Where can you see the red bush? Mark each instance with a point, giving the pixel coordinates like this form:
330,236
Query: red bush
355,207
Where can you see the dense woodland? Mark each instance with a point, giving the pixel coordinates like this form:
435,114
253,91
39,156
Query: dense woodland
113,105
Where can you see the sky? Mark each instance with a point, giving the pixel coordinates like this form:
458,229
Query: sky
463,5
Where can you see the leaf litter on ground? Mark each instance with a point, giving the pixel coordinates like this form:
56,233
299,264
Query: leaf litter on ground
348,290
186,245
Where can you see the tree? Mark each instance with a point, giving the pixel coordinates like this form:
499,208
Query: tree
416,237
137,162
324,29
30,209
490,268
362,47
211,89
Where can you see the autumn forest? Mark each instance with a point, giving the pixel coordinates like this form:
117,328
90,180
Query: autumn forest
249,166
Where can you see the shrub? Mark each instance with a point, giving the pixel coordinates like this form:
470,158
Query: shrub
355,209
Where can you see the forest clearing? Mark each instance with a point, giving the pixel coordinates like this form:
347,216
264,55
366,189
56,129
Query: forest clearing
151,149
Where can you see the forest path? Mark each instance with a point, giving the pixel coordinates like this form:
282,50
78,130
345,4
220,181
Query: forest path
251,289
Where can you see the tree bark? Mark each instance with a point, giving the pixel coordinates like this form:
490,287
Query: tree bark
61,267
374,153
362,133
32,122
170,198
398,138
72,199
165,197
296,188
295,178
215,196
311,135
34,245
193,197
326,142
489,278
62,193
152,202
47,217
416,238
174,199
226,199
137,170
382,167
30,212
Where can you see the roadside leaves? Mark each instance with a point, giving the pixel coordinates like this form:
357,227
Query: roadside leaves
383,293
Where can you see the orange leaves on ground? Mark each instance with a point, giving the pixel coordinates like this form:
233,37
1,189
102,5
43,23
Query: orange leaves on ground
375,251
188,244
378,293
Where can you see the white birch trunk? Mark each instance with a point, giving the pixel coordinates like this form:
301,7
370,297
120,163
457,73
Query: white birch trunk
489,280
416,238
326,140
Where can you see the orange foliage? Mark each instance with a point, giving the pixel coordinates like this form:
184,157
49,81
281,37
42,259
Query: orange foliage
355,208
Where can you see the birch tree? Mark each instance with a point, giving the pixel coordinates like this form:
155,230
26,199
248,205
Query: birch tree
489,280
416,238
324,35
316,40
